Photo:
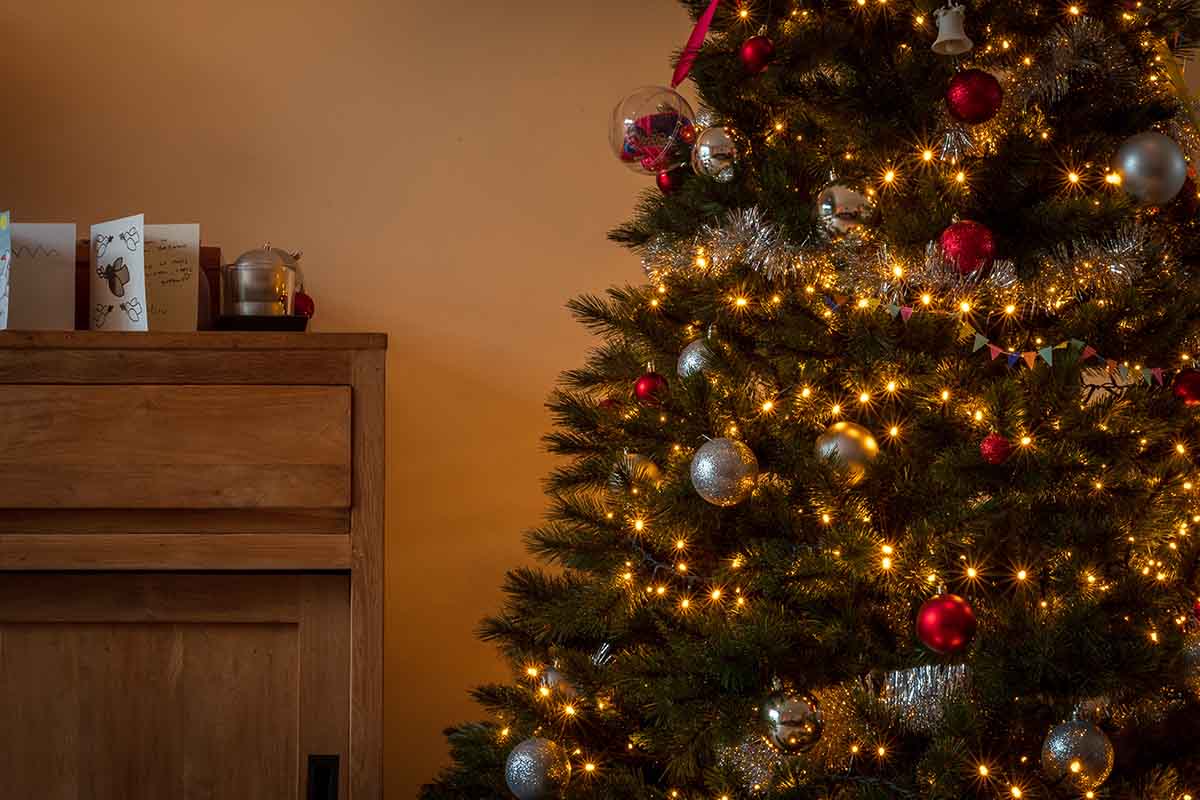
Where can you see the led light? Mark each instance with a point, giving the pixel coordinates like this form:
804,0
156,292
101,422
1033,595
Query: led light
889,176
864,398
639,525
964,307
716,594
531,672
945,395
806,392
972,573
927,155
891,386
1026,441
983,770
926,299
685,603
1073,177
589,767
767,406
741,302
1022,575
894,431
1114,178
1074,11
1010,309
960,177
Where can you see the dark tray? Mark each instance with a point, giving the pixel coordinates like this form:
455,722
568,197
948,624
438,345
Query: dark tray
293,323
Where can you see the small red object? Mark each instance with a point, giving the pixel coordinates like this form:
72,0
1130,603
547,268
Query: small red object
946,624
609,404
303,305
974,96
756,54
650,388
995,449
670,181
1187,386
969,246
1196,610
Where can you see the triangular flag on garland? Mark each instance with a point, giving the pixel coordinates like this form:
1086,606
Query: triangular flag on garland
1147,377
1013,358
1110,366
1124,370
980,342
840,299
1158,373
829,301
906,312
1030,358
995,351
1088,352
1047,354
1076,343
894,310
1061,346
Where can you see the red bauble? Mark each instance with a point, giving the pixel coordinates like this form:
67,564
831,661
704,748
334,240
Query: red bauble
756,54
995,449
969,246
974,96
946,624
303,305
670,181
650,389
1187,386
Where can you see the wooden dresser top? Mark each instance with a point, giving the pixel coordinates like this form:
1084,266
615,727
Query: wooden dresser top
205,340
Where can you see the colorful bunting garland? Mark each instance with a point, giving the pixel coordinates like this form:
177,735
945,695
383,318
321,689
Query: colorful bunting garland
1149,375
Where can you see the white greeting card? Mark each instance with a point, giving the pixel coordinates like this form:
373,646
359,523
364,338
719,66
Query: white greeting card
42,277
172,276
5,266
118,275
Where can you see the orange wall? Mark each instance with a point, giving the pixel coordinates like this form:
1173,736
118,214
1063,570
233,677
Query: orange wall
444,167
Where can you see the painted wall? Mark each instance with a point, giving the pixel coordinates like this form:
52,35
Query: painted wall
444,167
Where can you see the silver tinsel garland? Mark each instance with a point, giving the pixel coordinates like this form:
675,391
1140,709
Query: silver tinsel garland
747,239
919,696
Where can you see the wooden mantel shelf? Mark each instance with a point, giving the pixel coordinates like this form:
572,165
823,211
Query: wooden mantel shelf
204,340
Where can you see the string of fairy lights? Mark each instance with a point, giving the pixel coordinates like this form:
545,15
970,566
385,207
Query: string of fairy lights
662,570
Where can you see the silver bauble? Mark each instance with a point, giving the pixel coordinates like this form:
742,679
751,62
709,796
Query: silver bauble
715,154
1152,168
537,769
634,472
844,211
793,720
724,472
553,680
694,359
849,445
1079,754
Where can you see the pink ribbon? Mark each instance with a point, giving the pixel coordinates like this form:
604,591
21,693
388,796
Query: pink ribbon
694,43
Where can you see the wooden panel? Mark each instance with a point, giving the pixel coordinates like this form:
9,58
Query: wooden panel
367,525
311,367
175,447
329,521
154,686
173,551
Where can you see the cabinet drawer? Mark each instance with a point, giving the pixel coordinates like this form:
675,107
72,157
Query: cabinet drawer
110,446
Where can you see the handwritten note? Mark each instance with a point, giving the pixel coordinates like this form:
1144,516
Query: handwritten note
172,276
118,275
5,266
42,293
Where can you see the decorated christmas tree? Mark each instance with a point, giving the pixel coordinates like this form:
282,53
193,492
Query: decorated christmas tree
884,484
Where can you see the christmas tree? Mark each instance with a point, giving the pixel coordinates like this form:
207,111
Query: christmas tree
916,516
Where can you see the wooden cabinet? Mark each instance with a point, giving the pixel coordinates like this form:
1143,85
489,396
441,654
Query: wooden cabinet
191,566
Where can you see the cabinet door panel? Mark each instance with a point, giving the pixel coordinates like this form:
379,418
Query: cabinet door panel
156,692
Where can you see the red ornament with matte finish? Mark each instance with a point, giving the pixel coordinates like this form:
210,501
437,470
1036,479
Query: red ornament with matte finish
946,624
995,449
756,54
974,96
670,181
650,389
969,246
1187,386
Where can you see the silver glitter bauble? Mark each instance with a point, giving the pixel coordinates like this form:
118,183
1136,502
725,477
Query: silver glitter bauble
634,472
694,359
793,721
754,761
553,680
1079,754
1152,168
849,445
844,211
715,154
1190,660
724,472
919,696
537,769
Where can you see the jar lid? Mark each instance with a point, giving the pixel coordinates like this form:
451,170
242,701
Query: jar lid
268,257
